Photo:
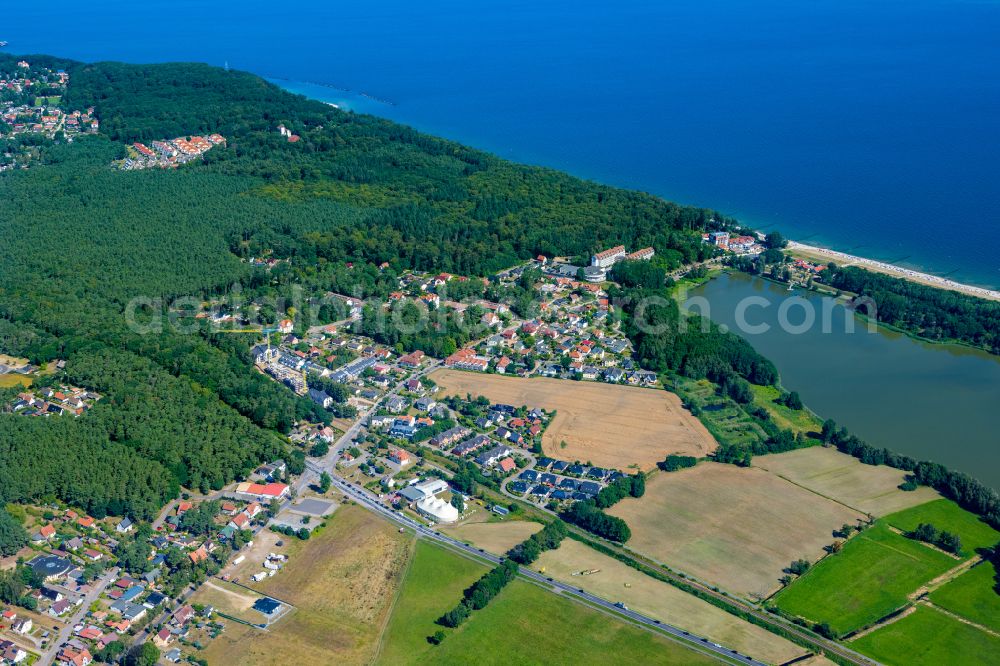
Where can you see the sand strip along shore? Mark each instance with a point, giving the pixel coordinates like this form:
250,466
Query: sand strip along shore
844,259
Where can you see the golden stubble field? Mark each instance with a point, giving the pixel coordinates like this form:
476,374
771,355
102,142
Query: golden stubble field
497,536
828,472
605,424
733,527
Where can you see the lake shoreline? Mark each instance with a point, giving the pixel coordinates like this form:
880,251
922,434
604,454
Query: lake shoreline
927,400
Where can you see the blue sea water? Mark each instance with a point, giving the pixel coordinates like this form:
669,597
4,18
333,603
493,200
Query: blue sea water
868,126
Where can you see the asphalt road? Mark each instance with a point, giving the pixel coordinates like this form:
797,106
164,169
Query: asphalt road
97,589
365,499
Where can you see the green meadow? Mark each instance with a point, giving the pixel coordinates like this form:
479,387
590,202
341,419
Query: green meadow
867,580
929,637
522,625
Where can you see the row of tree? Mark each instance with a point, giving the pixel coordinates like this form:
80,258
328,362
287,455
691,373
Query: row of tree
548,538
480,593
969,493
943,539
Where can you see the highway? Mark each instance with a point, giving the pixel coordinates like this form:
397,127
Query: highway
370,502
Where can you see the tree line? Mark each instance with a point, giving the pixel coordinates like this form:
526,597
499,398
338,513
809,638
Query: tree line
479,594
548,538
937,314
590,516
967,492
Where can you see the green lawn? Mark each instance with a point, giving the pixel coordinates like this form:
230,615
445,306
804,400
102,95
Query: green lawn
946,515
928,636
972,596
523,625
433,585
868,579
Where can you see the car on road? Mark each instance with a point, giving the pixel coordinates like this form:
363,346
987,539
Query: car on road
621,605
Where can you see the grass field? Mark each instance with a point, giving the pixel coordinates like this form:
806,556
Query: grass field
523,625
867,580
604,424
342,583
433,585
619,582
6,381
729,526
928,636
495,537
828,472
229,599
972,596
801,420
946,515
526,625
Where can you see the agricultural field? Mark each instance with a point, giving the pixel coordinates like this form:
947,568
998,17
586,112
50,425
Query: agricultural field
724,419
516,628
872,576
946,515
733,527
520,623
796,420
929,637
495,536
828,472
9,380
608,425
342,583
972,596
617,581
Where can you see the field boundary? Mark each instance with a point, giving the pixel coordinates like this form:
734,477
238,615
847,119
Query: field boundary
814,491
960,618
395,599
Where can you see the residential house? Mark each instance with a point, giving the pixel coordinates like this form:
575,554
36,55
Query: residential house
400,457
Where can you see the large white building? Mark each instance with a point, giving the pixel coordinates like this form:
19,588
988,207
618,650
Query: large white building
431,487
437,509
645,254
608,258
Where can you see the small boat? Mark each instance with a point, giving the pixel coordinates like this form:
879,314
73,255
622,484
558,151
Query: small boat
2,44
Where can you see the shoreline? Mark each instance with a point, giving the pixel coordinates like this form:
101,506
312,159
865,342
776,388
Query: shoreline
811,251
844,259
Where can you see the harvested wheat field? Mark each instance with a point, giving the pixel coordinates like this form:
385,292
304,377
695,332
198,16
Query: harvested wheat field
616,581
733,527
342,583
606,424
828,472
496,537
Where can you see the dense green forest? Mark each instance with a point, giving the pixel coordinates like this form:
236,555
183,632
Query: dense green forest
937,314
82,241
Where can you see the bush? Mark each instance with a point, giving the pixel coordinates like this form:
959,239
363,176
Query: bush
587,516
548,538
672,463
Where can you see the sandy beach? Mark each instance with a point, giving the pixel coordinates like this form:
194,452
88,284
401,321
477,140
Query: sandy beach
844,259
